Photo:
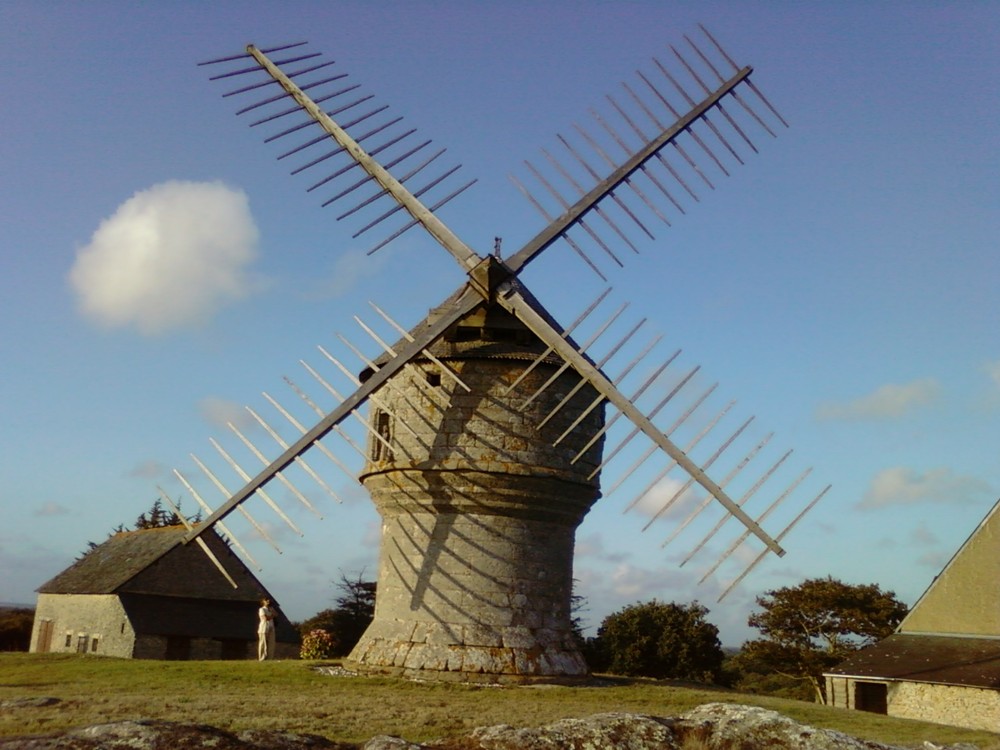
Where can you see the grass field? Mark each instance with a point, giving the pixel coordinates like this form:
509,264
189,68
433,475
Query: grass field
292,696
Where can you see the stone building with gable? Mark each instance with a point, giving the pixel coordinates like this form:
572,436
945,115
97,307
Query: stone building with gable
145,595
943,662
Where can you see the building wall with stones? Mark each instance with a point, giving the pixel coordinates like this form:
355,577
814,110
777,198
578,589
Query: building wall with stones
962,706
950,640
145,594
83,623
975,708
479,513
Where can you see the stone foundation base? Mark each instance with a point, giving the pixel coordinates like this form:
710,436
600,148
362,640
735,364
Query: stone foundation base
468,653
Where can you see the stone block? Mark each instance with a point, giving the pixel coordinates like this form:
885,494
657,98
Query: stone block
444,634
480,636
518,637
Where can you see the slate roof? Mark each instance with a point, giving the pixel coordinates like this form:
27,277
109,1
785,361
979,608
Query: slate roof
153,561
113,563
938,659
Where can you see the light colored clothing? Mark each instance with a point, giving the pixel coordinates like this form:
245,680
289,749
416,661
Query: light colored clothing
265,634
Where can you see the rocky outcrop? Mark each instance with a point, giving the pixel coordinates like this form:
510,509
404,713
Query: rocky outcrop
713,726
152,734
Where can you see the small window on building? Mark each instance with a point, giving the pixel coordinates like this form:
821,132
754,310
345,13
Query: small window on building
383,427
434,378
69,639
93,644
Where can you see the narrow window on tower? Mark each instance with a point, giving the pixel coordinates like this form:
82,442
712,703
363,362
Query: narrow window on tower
380,447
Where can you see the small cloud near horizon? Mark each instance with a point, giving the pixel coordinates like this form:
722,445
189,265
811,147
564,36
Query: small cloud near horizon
51,509
593,547
889,401
168,258
903,486
149,469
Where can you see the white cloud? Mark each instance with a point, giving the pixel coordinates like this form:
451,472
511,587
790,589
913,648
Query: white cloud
46,510
219,413
933,560
902,486
993,371
887,402
922,536
593,547
663,492
630,582
168,257
350,268
148,469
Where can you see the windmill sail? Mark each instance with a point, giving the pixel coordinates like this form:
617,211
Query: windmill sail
403,382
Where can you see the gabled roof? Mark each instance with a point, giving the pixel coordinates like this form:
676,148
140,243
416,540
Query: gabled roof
154,561
963,598
938,659
111,564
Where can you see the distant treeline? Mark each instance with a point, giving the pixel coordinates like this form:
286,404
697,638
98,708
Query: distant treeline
15,628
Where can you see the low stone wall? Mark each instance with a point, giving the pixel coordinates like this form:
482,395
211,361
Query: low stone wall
973,708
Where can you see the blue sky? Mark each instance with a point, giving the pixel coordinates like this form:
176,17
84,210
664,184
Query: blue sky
840,285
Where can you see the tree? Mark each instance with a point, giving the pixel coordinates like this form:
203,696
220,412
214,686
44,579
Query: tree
15,628
156,518
813,626
348,620
660,640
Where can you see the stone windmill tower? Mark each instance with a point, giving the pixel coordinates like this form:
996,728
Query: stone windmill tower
479,509
487,421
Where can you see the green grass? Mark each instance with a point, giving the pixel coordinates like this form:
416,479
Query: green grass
290,695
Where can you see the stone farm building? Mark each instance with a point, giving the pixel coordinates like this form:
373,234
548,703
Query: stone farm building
943,662
144,595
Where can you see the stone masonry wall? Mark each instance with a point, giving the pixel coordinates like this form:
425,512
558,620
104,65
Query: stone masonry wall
974,708
970,707
75,617
479,516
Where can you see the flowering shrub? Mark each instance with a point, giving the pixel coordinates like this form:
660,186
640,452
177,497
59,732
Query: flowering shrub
317,644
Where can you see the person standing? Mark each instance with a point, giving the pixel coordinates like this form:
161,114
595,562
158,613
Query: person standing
265,631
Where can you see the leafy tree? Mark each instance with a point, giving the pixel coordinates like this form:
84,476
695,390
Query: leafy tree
15,628
809,628
348,620
656,639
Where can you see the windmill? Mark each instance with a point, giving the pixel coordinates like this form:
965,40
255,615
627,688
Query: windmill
487,420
